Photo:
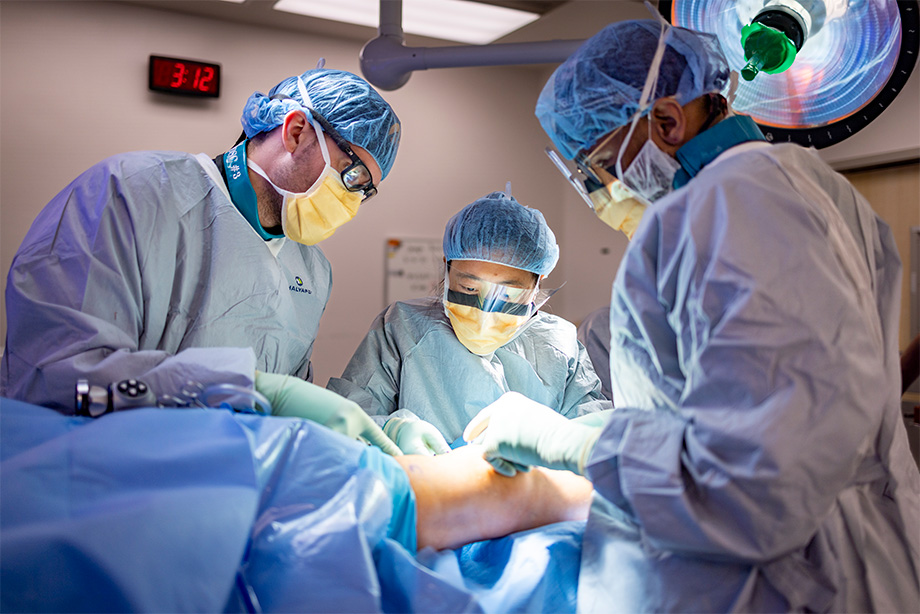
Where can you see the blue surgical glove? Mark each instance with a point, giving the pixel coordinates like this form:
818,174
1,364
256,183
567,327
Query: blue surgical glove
415,436
295,398
518,432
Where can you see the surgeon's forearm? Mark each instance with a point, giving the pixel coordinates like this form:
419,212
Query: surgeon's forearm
461,499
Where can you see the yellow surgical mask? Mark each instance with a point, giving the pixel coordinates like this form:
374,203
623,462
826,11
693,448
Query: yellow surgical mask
482,332
618,207
488,316
313,216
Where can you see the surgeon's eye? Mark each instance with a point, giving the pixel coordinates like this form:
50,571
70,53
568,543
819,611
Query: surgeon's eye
469,290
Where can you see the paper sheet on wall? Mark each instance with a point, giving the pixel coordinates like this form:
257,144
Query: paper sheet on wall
414,268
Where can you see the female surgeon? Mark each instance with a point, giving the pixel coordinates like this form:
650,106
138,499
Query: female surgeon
428,365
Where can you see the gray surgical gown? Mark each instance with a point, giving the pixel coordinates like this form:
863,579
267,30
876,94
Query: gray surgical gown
594,334
143,268
411,359
757,459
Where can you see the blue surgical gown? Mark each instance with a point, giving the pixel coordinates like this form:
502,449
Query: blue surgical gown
411,359
192,510
143,268
757,459
594,334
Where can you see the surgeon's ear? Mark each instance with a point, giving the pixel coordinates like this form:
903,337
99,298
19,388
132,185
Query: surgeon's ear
669,124
294,130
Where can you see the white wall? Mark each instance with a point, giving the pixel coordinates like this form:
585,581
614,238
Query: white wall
73,91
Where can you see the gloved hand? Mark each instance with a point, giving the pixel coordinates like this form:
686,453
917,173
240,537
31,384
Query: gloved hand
415,436
296,398
518,432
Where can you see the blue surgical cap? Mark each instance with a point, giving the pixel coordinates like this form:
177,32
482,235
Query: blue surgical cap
346,101
497,228
598,88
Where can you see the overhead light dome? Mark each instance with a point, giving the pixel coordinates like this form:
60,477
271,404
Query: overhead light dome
850,59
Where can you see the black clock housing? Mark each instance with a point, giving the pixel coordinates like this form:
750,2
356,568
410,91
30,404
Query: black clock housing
184,77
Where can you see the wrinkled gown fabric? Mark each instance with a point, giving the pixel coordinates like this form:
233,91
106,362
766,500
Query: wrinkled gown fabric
143,268
411,359
757,459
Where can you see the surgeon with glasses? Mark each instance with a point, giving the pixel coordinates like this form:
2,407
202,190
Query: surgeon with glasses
428,365
170,267
757,459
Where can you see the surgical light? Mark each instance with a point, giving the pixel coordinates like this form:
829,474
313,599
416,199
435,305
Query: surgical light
453,20
817,71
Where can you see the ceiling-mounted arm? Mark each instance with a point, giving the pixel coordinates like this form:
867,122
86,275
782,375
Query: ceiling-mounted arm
388,63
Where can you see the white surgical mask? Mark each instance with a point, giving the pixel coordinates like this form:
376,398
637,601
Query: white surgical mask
651,173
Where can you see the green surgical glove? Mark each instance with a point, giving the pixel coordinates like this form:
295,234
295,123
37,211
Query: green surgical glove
415,436
295,398
517,433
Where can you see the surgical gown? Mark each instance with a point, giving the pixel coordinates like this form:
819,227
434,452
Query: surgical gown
757,459
143,268
594,334
411,359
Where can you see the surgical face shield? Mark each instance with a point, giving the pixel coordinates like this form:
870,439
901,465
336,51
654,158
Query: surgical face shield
486,315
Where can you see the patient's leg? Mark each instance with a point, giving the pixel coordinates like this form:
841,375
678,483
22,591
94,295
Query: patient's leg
461,499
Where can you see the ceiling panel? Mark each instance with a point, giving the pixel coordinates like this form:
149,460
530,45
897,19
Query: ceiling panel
560,19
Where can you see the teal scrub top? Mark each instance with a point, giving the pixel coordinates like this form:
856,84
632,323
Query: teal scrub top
411,359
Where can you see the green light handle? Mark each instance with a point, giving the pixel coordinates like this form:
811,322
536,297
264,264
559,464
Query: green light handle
766,50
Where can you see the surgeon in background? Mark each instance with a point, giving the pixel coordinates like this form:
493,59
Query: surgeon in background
429,365
756,460
169,267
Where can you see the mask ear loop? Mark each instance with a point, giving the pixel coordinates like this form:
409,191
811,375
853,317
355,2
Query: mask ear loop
732,91
650,82
308,103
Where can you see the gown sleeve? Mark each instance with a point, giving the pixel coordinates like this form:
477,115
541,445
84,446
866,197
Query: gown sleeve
76,296
583,390
594,334
748,385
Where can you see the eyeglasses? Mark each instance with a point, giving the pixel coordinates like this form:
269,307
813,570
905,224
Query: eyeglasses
588,184
596,184
356,176
598,164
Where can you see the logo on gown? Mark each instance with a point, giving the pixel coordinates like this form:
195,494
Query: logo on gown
299,287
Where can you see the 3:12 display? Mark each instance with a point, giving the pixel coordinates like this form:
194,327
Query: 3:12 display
185,77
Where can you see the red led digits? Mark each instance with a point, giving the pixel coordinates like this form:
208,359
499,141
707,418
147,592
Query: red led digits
185,77
178,73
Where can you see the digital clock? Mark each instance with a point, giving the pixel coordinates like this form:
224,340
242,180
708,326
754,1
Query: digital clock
186,77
